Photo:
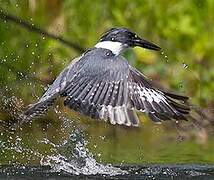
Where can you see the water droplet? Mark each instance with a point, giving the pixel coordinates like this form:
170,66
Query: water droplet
185,66
33,53
102,137
165,56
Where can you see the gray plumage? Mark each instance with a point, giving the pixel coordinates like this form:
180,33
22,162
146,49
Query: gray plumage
104,86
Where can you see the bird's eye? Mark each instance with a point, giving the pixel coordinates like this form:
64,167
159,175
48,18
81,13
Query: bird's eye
135,35
112,39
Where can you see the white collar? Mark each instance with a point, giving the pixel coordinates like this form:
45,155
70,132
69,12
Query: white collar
115,47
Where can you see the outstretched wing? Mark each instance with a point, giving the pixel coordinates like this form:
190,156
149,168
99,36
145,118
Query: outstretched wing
159,105
106,87
114,90
52,93
95,85
100,90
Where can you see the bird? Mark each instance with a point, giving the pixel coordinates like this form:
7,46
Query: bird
102,85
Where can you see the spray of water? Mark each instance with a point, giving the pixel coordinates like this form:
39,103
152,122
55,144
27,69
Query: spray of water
70,155
78,161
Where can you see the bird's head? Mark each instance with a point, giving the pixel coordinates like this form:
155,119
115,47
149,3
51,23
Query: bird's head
118,39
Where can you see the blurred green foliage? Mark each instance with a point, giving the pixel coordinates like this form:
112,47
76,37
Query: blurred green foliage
184,29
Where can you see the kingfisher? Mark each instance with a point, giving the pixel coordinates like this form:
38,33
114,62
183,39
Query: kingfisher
104,86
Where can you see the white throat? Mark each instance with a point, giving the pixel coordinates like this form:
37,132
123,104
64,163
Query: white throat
115,47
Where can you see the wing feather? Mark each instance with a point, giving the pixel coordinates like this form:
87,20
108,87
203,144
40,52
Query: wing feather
159,105
108,88
51,94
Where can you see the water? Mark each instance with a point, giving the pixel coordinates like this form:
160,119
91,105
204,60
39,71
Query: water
69,155
134,172
55,146
73,157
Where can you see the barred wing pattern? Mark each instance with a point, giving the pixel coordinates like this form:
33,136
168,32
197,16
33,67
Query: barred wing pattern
102,100
157,104
101,91
51,94
108,88
117,101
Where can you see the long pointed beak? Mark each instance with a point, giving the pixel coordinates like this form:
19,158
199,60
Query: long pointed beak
146,44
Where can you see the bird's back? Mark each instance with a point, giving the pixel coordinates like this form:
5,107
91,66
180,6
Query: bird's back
103,64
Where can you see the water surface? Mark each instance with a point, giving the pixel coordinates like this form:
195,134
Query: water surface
70,145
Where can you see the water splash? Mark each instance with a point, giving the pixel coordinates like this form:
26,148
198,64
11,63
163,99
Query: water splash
73,157
69,155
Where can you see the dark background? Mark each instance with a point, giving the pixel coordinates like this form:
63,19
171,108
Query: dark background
30,59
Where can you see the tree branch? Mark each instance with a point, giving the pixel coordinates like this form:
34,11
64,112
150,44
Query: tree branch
34,28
